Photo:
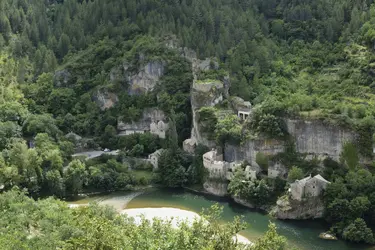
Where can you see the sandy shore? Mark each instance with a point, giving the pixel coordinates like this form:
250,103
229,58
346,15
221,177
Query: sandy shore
173,214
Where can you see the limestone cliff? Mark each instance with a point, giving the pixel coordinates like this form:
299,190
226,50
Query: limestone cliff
316,138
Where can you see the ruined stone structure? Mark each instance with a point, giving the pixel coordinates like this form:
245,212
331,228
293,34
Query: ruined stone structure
277,170
154,158
153,121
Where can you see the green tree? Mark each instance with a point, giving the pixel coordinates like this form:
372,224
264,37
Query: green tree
75,177
295,173
358,232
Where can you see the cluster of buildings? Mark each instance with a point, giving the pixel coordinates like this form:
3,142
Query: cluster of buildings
300,189
220,169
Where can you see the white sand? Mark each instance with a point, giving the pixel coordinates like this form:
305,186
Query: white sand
173,214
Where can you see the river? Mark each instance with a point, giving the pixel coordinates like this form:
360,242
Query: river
300,234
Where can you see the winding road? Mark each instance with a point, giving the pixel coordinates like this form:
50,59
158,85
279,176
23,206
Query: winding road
94,154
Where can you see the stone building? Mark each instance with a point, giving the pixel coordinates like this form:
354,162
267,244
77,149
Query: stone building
154,158
252,172
308,187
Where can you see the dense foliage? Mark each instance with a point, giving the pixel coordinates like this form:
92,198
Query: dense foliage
350,205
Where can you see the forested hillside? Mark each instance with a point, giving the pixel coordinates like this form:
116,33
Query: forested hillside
65,67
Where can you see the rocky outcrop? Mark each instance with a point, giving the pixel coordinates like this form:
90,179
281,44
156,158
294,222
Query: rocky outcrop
204,94
146,78
242,202
216,187
105,99
287,208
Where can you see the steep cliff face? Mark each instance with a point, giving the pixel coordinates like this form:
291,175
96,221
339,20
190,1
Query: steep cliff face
287,208
318,139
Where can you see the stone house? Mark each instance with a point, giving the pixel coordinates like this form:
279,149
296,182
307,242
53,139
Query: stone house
154,158
308,187
252,172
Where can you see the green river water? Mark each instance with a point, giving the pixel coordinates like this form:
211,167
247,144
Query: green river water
300,234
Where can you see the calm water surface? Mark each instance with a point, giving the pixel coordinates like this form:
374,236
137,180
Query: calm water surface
300,234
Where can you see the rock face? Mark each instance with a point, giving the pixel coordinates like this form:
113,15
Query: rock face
287,208
153,120
105,99
146,78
